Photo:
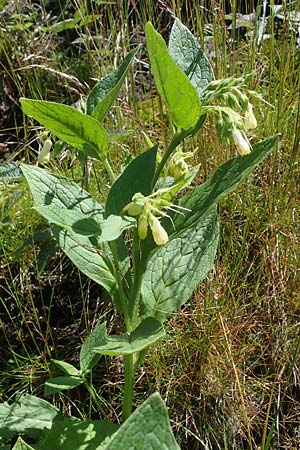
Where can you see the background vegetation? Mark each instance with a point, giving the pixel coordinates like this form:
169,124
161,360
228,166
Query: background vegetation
229,368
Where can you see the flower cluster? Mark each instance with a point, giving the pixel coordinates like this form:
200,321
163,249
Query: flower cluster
231,124
149,210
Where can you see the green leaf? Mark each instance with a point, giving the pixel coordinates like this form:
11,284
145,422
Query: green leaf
88,359
71,434
72,126
75,221
10,171
226,178
148,332
65,367
90,256
137,177
28,414
148,428
58,384
106,90
173,85
188,55
176,269
21,445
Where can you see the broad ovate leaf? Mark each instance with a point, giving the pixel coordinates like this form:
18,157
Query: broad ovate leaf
176,269
86,225
137,177
148,332
188,55
106,90
70,125
74,434
148,428
58,384
172,83
28,415
90,256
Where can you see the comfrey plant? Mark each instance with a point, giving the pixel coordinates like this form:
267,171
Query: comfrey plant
146,246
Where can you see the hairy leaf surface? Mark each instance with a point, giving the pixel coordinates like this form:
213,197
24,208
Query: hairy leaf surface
188,55
137,177
176,269
72,126
91,257
148,332
72,434
28,414
106,90
172,83
148,428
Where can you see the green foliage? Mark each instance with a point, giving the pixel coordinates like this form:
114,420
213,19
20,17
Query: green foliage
21,445
175,270
137,177
106,90
72,126
148,332
173,85
148,428
188,55
70,434
58,384
28,414
147,278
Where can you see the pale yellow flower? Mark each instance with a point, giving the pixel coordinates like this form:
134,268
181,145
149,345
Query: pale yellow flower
160,235
241,142
250,121
44,154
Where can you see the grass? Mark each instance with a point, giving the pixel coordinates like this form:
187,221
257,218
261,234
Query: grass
229,366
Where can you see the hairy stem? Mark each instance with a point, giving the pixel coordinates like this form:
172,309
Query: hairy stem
109,170
134,302
128,387
173,144
123,298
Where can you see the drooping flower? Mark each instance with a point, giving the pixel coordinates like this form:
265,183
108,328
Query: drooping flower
241,142
160,235
44,154
250,121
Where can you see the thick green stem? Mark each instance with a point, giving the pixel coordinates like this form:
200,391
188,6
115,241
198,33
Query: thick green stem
123,298
109,170
134,301
173,144
128,386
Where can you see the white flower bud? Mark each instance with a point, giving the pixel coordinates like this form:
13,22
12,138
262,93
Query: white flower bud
241,143
44,154
160,235
250,121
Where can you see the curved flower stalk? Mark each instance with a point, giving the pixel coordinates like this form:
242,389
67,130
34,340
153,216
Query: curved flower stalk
236,117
